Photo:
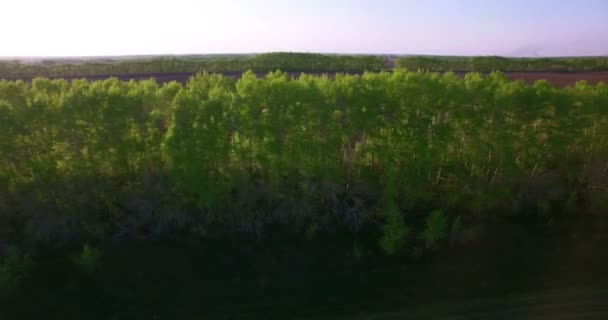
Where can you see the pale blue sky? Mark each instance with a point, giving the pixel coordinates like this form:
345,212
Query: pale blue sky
444,27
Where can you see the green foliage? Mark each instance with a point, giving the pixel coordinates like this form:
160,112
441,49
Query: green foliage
543,207
544,211
572,203
286,61
88,258
436,228
394,231
494,63
133,149
311,231
14,267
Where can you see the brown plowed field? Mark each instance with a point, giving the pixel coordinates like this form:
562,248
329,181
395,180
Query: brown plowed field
560,79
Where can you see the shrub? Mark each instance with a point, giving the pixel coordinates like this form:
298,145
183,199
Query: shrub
88,258
312,231
13,268
543,208
394,231
436,228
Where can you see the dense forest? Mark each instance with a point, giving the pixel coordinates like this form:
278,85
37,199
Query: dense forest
289,62
494,63
404,155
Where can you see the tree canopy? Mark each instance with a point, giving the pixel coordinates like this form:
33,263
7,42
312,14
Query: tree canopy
344,150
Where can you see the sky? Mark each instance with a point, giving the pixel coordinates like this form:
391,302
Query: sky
438,27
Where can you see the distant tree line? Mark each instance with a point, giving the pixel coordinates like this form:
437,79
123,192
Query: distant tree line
289,62
494,63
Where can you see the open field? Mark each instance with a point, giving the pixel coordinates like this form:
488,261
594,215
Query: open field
560,79
559,71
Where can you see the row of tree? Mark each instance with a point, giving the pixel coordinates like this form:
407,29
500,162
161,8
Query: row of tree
494,63
244,154
298,62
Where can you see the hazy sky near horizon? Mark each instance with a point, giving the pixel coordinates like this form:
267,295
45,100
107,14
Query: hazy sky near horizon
442,27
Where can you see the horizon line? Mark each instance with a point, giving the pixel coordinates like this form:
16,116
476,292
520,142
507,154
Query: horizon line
7,57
